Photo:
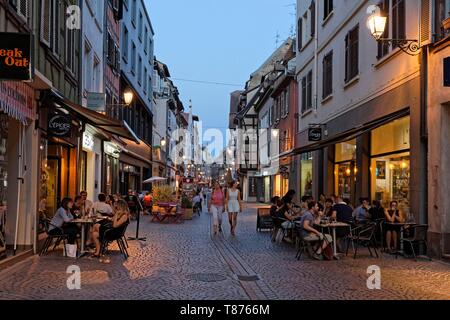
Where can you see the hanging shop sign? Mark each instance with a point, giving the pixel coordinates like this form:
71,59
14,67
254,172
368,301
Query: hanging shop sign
15,56
111,149
315,134
88,141
59,126
96,101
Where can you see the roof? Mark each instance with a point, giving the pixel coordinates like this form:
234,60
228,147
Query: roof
162,68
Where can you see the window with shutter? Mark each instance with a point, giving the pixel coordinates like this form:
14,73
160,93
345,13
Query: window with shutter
425,22
327,8
299,34
46,22
383,47
327,89
304,108
309,91
352,54
398,20
312,10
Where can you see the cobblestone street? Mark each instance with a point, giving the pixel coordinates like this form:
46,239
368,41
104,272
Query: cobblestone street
184,262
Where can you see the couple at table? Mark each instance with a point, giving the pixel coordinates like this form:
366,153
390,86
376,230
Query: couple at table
62,223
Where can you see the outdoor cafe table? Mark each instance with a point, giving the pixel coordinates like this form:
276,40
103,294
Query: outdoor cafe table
84,222
333,226
402,226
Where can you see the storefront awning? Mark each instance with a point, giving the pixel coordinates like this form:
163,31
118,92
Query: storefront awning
99,120
350,134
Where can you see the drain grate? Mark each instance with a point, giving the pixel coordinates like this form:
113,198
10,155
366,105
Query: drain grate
248,278
206,277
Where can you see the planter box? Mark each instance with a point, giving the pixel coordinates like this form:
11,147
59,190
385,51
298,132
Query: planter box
188,213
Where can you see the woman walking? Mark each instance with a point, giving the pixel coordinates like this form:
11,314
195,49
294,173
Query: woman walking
233,205
216,206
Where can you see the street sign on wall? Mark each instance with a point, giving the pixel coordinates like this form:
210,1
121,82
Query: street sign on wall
315,134
15,56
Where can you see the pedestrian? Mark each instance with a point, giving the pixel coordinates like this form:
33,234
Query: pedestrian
233,205
216,207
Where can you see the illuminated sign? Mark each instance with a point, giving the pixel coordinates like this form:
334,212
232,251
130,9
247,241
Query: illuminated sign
88,141
59,126
15,56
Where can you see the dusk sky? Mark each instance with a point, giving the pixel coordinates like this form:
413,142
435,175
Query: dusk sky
217,41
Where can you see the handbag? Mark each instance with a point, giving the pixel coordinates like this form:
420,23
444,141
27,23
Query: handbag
71,250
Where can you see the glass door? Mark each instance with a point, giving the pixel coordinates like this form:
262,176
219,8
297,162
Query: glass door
52,187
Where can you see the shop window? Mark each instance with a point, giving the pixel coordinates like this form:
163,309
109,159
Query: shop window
346,151
252,187
392,137
390,164
3,181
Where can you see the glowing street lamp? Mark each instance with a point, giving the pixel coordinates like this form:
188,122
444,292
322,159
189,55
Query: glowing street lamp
128,97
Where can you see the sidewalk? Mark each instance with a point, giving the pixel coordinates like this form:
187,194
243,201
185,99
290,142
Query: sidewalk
184,261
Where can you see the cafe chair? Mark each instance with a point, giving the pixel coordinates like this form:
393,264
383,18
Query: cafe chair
49,240
118,235
419,236
363,235
302,245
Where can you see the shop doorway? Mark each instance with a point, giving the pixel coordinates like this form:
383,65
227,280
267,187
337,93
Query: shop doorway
345,180
52,186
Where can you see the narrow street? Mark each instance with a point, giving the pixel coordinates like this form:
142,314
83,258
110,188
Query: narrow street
185,262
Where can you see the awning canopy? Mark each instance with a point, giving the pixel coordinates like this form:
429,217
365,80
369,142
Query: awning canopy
98,120
350,134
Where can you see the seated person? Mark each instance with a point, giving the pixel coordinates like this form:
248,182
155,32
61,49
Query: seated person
276,204
59,224
361,214
77,207
101,208
309,234
120,216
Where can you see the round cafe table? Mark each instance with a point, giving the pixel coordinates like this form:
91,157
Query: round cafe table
84,222
333,226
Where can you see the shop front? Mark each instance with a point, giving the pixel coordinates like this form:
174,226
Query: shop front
306,174
111,173
91,163
18,168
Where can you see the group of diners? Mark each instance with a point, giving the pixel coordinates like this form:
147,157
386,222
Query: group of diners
108,212
310,214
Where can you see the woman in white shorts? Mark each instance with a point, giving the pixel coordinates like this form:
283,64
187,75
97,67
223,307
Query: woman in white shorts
216,206
233,205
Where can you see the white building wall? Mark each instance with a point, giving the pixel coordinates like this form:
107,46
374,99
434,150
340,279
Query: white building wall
375,78
92,47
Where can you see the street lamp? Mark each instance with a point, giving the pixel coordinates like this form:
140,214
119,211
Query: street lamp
376,23
128,97
163,142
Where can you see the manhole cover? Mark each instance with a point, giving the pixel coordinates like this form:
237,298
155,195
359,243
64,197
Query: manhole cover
248,278
206,277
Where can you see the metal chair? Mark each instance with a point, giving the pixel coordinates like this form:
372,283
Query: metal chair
118,235
300,244
419,236
363,235
50,237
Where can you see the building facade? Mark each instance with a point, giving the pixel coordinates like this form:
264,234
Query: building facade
365,98
136,76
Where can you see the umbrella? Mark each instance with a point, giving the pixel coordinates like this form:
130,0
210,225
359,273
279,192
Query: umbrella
154,179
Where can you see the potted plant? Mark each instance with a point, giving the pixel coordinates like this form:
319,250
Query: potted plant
161,194
186,205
